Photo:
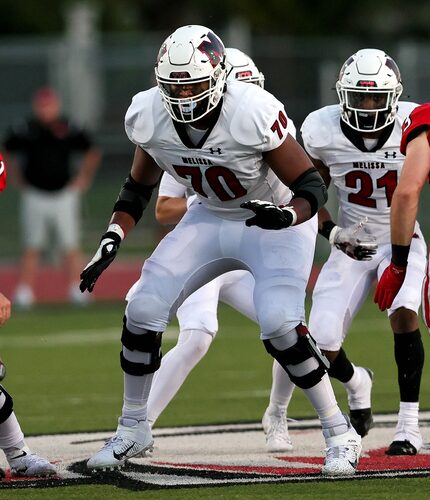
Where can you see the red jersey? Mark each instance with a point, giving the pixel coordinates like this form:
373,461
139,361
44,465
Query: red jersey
417,122
2,173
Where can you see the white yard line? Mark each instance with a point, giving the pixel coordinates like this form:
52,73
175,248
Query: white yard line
72,337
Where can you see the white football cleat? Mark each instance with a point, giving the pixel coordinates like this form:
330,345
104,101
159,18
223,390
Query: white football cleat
342,454
276,430
26,464
132,439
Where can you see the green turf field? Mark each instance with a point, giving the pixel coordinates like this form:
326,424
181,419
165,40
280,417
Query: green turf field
64,375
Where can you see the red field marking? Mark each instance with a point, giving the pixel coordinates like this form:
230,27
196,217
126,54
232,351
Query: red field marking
51,283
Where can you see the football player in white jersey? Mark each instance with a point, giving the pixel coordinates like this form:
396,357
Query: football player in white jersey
197,316
357,146
230,144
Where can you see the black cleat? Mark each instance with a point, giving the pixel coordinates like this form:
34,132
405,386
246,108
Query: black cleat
361,420
401,448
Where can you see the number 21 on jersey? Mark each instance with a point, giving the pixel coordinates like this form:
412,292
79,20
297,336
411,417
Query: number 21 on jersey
363,181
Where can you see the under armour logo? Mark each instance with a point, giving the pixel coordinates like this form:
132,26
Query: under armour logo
213,151
393,154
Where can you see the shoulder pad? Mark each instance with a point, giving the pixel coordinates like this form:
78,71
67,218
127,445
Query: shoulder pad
317,130
253,115
139,119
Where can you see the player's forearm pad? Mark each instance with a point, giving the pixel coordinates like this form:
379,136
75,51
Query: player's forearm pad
133,198
312,188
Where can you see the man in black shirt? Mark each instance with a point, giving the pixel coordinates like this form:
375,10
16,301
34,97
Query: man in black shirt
41,149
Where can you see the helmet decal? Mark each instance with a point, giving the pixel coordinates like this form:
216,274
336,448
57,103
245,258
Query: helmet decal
213,49
393,66
366,83
161,52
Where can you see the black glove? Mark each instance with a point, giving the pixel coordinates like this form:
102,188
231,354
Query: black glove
268,215
109,245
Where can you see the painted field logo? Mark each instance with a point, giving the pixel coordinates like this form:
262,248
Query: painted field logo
372,461
222,455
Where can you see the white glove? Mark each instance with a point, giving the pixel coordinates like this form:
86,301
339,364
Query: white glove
356,241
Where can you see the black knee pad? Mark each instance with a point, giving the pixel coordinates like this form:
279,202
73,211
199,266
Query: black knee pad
304,349
148,342
7,408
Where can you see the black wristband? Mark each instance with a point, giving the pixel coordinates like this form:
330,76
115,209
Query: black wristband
326,228
399,255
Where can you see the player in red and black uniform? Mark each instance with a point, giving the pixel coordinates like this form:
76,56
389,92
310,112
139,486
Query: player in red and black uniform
415,145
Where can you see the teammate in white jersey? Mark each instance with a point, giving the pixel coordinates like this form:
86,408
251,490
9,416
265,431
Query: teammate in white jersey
197,316
357,146
244,161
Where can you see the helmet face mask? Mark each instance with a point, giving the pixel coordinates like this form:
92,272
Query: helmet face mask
369,88
241,67
190,73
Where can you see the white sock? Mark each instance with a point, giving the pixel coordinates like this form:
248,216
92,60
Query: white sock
175,367
11,435
323,400
321,395
281,392
358,396
407,425
409,413
354,382
136,387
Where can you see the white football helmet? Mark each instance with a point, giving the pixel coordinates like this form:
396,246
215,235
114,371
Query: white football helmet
241,67
192,55
369,88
